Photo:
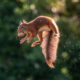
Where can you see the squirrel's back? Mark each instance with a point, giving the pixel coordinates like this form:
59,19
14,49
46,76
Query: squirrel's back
43,21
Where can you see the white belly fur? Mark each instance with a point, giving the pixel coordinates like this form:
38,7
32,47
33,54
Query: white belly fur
44,28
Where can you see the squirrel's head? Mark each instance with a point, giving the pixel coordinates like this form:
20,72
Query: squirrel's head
22,28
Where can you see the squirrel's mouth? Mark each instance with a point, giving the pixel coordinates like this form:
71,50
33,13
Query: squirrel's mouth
21,34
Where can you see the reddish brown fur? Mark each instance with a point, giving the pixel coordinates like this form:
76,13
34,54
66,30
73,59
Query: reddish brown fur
49,39
37,23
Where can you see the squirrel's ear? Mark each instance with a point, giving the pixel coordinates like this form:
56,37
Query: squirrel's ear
24,21
20,23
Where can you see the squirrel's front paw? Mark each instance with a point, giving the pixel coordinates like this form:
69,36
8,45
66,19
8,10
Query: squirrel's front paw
21,41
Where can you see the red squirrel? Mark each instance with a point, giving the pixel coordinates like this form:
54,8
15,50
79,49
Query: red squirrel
48,34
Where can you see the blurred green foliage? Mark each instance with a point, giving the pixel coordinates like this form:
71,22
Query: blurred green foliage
21,62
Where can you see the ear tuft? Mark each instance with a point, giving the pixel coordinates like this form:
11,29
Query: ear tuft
24,21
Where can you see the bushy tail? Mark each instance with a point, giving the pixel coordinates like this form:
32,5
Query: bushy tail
49,47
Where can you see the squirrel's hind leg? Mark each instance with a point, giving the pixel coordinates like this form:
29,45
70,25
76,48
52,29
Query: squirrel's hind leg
39,41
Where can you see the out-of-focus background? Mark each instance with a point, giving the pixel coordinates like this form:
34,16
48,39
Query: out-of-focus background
21,62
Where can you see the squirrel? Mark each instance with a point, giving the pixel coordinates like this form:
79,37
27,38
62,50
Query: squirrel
48,34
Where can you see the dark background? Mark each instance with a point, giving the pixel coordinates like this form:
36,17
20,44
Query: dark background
21,62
